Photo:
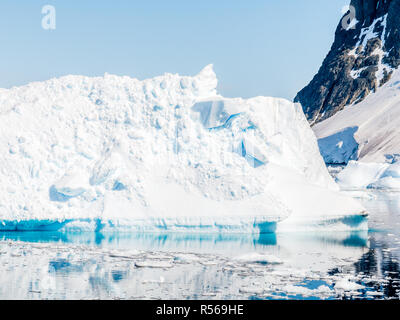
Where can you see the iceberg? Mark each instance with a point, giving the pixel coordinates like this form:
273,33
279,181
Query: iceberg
361,176
162,154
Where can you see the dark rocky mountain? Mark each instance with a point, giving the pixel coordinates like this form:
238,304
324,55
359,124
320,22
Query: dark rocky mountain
363,57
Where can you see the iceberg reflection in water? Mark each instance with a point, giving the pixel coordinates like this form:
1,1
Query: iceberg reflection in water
60,265
111,265
193,242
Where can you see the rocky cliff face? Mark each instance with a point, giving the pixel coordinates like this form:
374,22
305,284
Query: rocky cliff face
363,57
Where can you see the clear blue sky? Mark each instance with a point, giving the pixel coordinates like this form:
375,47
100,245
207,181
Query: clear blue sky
258,47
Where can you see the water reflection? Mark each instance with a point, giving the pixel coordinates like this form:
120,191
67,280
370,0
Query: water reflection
206,243
80,265
102,265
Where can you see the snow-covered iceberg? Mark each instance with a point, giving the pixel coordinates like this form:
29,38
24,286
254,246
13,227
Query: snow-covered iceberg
360,175
166,153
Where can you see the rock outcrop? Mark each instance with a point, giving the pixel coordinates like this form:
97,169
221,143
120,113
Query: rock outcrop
363,57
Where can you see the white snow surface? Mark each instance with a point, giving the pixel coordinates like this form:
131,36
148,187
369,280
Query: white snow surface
369,131
166,153
359,176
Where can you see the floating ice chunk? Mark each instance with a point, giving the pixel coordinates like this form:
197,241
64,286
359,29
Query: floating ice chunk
389,179
392,171
306,292
386,183
251,290
186,258
161,280
251,153
358,175
258,258
347,284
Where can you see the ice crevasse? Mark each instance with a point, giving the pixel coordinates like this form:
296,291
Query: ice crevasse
166,154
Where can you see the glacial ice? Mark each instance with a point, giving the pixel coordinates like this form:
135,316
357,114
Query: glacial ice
360,175
163,154
347,285
217,113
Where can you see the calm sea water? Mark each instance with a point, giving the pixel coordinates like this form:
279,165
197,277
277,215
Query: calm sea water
66,265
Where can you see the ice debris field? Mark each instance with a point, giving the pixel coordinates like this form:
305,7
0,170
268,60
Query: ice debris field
166,154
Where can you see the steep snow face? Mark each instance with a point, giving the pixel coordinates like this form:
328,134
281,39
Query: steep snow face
368,131
161,154
380,176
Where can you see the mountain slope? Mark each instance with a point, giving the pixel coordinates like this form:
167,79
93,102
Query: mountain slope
363,57
368,131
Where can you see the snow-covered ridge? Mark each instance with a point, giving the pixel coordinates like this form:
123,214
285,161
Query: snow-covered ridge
166,153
